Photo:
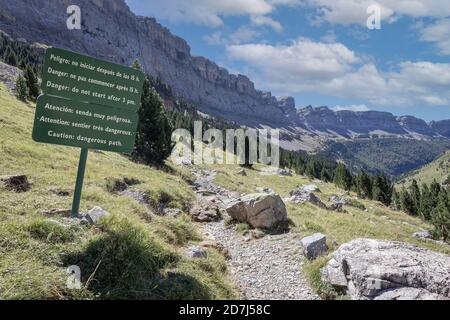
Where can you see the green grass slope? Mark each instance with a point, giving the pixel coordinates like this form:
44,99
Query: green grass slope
129,255
438,170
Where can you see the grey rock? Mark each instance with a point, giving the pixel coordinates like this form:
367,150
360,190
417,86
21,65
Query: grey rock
299,195
310,188
260,210
337,204
424,234
376,269
9,75
171,212
264,190
408,294
95,214
205,211
314,246
284,172
196,252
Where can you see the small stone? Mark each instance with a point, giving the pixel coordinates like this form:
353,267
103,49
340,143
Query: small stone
196,252
423,234
314,246
95,214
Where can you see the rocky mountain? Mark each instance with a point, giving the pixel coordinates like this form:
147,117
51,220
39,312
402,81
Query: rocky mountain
111,31
369,123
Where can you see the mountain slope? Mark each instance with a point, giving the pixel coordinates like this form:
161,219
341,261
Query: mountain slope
438,170
392,156
111,31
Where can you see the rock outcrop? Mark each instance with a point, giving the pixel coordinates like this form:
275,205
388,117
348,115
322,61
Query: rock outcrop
260,210
374,269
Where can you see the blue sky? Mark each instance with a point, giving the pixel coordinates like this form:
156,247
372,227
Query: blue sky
321,51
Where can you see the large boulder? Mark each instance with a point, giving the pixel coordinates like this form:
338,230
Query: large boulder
376,269
260,210
314,246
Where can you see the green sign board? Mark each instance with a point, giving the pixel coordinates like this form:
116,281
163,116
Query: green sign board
87,103
78,124
74,76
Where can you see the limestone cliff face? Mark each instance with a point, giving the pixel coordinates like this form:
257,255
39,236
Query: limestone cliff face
111,31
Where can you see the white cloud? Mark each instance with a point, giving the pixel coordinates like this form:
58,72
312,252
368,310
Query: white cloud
354,11
210,12
355,108
438,33
214,38
267,21
333,69
241,35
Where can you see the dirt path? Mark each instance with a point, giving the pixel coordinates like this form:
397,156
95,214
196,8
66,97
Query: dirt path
267,268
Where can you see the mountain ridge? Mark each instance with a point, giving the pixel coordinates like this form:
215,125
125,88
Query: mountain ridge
111,31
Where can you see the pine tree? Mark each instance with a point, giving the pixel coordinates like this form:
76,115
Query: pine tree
10,57
382,190
427,203
441,216
415,195
325,175
396,200
312,169
342,177
364,185
153,140
406,201
32,83
21,88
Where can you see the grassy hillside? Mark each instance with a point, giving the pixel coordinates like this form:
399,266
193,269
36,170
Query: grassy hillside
391,156
438,170
130,255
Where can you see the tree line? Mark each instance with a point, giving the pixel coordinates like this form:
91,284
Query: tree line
429,202
23,56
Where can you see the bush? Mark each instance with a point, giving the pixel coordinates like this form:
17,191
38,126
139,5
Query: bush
115,185
21,88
